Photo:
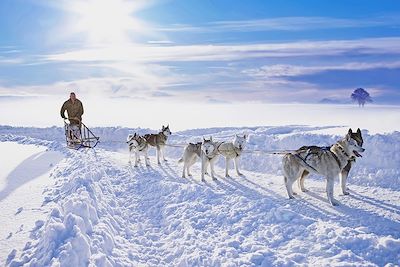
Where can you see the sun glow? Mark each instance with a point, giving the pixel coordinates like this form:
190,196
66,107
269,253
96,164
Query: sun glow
106,21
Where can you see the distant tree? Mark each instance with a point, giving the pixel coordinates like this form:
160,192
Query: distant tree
361,96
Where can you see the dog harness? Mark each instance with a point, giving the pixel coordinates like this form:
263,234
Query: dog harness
141,147
235,149
326,148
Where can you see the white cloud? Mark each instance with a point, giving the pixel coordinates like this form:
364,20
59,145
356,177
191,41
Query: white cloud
153,53
285,70
285,24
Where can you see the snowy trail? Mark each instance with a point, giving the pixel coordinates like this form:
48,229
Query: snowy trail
152,216
109,213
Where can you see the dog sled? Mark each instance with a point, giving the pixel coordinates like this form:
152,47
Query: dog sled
79,135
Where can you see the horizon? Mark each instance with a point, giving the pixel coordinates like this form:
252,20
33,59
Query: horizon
200,52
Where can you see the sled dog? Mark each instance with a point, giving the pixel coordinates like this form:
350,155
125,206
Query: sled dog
345,172
159,140
138,145
209,155
191,153
326,161
233,150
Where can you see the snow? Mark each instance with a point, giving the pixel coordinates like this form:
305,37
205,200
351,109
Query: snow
101,211
24,174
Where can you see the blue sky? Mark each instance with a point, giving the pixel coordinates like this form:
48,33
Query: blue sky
204,51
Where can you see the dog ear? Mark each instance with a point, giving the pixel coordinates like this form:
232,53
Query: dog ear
350,131
359,131
245,136
204,139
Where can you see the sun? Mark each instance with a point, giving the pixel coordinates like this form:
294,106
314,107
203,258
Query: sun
106,21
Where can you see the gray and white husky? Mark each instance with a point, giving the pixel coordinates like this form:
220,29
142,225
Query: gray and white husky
191,153
159,140
326,161
209,155
138,145
345,172
232,150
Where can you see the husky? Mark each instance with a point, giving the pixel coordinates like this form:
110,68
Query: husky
233,150
326,161
209,155
159,140
345,172
191,153
138,145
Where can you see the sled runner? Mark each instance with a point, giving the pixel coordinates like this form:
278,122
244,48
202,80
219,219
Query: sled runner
79,136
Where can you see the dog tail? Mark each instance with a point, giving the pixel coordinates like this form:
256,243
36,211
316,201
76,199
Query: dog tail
180,160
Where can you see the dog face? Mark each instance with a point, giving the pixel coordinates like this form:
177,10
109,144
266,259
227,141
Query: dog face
239,141
166,131
357,136
130,137
355,142
196,146
132,140
208,146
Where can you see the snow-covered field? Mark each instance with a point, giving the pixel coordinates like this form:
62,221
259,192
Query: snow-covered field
94,208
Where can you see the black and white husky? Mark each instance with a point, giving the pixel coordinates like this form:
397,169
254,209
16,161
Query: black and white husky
191,154
138,145
232,150
209,155
330,162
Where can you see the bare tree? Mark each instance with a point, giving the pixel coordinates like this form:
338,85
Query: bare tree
361,96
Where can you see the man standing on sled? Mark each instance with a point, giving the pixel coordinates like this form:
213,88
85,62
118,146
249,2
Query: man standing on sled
74,109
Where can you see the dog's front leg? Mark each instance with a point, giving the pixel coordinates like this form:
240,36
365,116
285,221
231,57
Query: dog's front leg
330,183
203,167
184,168
163,153
158,154
146,158
343,181
212,169
136,158
227,160
236,161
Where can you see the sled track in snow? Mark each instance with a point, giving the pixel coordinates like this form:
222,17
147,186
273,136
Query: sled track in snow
112,213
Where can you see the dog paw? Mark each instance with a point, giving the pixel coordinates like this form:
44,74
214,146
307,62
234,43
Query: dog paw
240,174
291,197
214,178
227,176
294,193
190,175
135,166
304,190
334,203
346,193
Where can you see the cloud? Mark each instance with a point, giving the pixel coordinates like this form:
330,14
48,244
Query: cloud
182,53
285,24
286,70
